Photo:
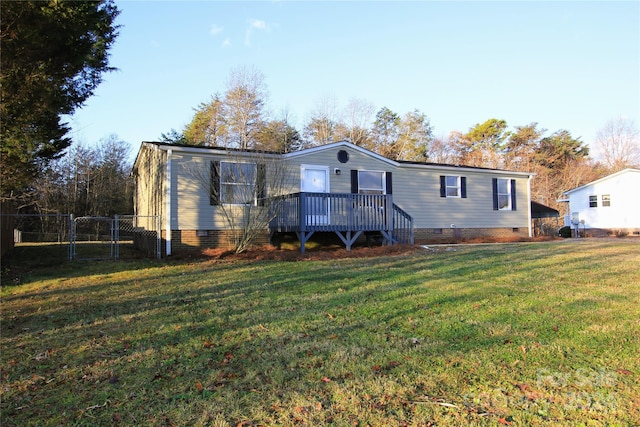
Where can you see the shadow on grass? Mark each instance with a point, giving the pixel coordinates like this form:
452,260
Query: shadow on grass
247,329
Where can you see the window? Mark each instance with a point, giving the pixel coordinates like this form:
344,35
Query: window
371,182
606,200
593,201
237,183
504,194
453,186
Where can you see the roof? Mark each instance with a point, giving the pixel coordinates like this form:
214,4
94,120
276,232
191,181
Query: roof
538,210
346,144
624,171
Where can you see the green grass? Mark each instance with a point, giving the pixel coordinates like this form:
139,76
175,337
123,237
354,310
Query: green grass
502,334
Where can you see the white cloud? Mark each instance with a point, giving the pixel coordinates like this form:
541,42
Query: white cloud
259,24
226,42
215,29
255,24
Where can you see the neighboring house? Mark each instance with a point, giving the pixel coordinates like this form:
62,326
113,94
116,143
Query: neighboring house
606,206
338,187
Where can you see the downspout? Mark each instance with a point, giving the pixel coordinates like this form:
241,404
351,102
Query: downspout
167,216
529,207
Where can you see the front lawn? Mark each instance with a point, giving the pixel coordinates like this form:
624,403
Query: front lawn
501,334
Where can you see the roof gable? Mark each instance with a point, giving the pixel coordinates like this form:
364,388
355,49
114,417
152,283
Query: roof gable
605,178
344,144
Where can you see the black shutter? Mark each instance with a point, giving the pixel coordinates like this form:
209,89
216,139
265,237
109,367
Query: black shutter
443,186
261,184
495,193
463,187
389,182
214,189
354,181
513,194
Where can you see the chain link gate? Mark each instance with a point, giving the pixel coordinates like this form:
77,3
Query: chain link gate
93,238
123,236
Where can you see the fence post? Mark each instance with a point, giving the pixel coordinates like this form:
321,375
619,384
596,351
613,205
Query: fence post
116,237
159,238
72,239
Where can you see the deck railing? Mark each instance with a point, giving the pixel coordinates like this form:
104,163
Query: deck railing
403,226
341,212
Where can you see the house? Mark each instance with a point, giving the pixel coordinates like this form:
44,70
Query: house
606,206
201,192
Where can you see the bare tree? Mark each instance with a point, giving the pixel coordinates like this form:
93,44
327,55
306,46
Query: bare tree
244,102
618,144
441,151
320,129
88,181
357,117
244,189
415,137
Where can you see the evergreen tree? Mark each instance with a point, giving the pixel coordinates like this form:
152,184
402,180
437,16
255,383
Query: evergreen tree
54,54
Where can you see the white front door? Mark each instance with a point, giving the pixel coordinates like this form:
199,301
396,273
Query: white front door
315,179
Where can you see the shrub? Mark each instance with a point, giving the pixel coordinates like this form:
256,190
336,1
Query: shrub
565,232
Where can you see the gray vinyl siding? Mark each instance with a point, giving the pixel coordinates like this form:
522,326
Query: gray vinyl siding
190,188
416,188
357,160
417,191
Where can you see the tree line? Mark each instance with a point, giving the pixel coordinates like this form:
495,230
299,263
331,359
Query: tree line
88,181
238,118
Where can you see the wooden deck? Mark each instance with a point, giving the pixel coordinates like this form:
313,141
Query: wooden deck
348,215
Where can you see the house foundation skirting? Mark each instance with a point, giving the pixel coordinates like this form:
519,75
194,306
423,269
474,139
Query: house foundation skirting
430,235
609,232
195,240
192,240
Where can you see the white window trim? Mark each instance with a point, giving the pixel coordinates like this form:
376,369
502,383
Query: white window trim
384,181
255,176
458,187
507,194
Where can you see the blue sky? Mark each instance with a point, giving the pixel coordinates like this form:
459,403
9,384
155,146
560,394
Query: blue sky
565,65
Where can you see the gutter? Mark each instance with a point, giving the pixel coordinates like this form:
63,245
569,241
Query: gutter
529,207
167,186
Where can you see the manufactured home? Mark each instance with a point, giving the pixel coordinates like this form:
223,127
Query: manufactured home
203,193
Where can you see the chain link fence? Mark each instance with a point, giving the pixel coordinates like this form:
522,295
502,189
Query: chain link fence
137,234
37,239
52,238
